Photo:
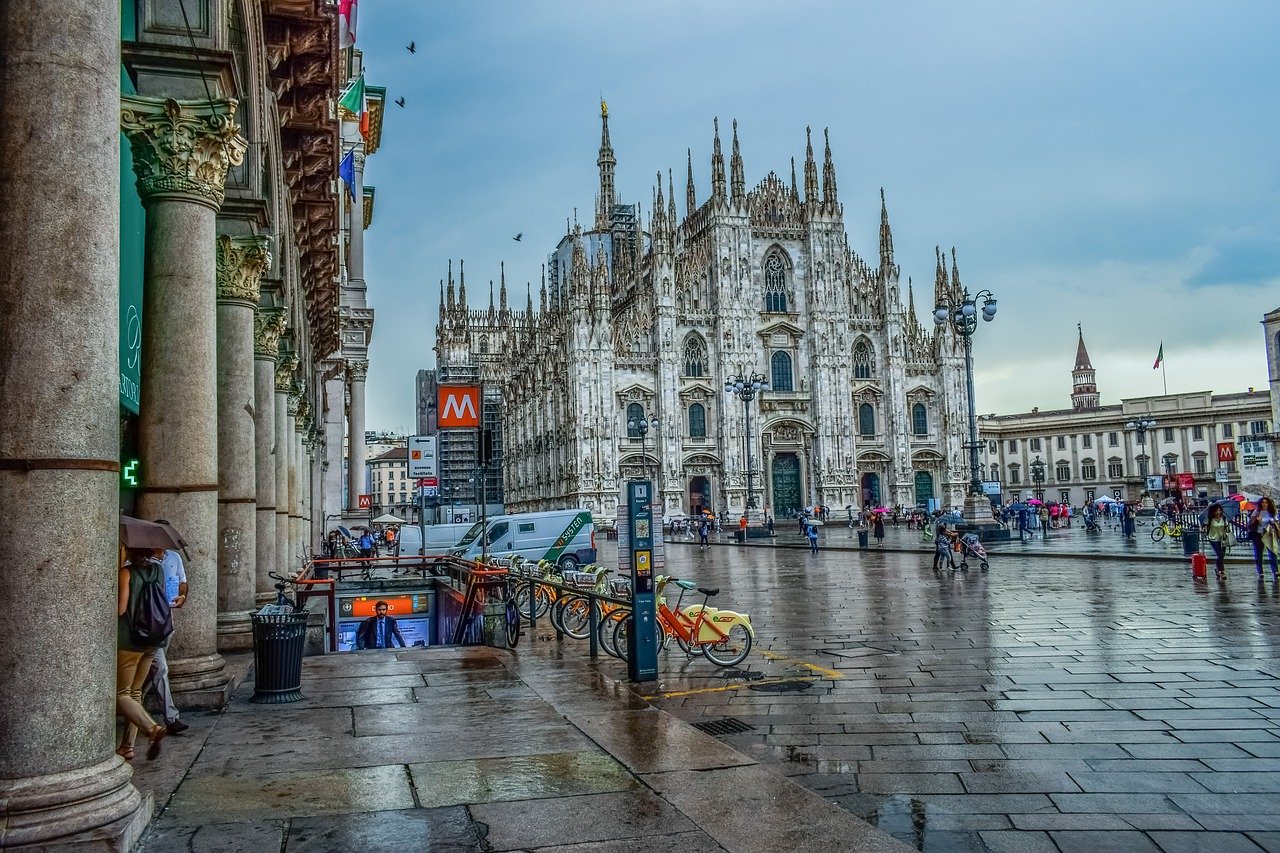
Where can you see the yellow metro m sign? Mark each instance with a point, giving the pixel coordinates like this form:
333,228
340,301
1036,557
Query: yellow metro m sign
458,406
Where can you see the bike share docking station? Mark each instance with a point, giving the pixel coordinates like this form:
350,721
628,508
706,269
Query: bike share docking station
640,554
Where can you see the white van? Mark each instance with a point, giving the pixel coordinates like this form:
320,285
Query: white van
440,538
566,537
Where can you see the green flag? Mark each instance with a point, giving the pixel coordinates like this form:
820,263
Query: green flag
353,99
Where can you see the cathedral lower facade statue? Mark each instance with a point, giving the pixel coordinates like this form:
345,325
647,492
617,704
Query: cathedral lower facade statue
864,406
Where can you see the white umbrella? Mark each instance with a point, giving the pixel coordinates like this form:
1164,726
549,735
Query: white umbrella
1105,499
816,522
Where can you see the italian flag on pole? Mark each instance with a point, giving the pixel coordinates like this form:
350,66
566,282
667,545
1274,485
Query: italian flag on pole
1159,356
352,101
346,23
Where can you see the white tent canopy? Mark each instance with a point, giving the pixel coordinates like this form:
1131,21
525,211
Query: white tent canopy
387,518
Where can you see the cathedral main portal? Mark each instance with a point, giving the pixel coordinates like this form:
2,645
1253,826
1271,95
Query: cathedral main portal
786,485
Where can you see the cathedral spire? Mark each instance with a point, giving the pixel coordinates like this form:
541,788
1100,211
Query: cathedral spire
941,292
451,298
442,303
911,300
502,293
886,235
528,299
828,171
738,183
462,286
491,308
1082,354
606,162
671,202
795,188
690,195
957,289
717,164
810,169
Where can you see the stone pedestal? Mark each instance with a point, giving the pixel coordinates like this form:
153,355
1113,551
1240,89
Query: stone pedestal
268,326
60,780
241,263
978,519
181,154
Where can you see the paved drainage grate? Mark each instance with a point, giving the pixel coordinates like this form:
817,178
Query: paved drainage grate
781,686
727,726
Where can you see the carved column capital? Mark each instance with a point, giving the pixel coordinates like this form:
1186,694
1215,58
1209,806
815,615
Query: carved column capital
268,325
357,371
182,149
241,263
284,373
304,409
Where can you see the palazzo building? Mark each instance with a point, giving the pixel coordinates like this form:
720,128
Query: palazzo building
1123,450
865,405
184,338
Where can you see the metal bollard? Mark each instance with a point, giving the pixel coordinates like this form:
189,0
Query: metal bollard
593,622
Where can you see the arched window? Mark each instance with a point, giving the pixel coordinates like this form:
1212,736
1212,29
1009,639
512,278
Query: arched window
483,348
635,414
775,283
780,370
866,420
697,421
862,360
695,356
919,419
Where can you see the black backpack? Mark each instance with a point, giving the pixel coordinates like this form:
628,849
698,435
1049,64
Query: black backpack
150,617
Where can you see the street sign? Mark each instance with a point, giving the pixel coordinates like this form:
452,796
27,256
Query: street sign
364,501
1226,451
1254,455
422,456
458,406
1155,483
1221,475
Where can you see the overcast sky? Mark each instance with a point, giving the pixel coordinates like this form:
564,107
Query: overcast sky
1108,163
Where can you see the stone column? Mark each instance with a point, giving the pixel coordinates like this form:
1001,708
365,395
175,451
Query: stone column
60,780
269,325
284,384
241,263
315,496
181,153
291,441
334,415
356,373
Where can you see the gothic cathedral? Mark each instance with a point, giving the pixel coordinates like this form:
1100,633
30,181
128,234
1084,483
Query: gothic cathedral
864,405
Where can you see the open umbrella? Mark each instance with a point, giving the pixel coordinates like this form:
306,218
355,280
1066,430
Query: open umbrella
816,522
881,509
1018,507
1236,497
1035,502
950,518
345,532
1105,499
137,533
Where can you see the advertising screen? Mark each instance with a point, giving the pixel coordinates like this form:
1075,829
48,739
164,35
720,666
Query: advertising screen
416,632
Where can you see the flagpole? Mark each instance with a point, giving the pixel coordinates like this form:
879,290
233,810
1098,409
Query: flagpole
1165,376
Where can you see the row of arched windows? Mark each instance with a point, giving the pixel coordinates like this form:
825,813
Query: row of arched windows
867,420
697,419
696,365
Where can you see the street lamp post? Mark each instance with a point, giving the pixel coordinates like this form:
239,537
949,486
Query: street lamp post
963,317
1140,425
642,425
745,389
1037,477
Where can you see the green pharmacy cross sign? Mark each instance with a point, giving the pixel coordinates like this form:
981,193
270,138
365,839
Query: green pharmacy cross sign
129,474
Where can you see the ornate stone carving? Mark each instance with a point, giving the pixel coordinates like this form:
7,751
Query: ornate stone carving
357,371
284,373
241,263
182,149
304,409
268,325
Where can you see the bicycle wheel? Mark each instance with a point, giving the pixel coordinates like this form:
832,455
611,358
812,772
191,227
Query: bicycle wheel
575,618
608,625
732,650
1157,533
512,622
622,632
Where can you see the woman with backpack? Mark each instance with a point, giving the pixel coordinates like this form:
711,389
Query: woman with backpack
143,624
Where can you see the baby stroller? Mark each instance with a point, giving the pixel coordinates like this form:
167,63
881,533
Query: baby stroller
971,548
1091,524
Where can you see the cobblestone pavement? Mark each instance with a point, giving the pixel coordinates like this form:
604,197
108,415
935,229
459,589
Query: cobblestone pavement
1050,704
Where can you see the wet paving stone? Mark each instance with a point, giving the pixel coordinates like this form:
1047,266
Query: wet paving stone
1138,696
445,830
529,777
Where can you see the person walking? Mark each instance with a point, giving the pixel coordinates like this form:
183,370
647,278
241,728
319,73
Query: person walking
811,530
877,529
175,590
1022,524
704,530
1044,521
1218,532
1264,532
133,656
768,521
941,546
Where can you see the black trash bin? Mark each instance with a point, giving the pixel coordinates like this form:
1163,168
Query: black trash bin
1190,541
740,535
862,538
278,641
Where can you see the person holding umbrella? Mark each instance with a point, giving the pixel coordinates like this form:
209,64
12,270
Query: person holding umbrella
877,528
811,531
1264,532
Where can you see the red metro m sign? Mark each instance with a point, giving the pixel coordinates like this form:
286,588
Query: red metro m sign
458,406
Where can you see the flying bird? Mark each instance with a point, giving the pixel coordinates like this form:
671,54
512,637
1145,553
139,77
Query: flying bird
400,102
518,237
411,47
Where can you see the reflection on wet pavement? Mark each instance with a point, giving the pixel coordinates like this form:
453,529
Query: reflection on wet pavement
1051,704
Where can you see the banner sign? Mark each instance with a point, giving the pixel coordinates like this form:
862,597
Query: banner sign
1254,455
1226,451
1187,482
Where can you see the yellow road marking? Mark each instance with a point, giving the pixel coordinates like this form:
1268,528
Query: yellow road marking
821,670
678,693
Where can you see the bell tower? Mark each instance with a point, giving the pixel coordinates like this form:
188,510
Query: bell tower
1084,389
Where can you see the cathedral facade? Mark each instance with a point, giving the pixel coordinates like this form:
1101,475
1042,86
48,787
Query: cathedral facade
865,406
